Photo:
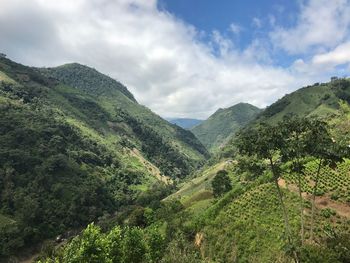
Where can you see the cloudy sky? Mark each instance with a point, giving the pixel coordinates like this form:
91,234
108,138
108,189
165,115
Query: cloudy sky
186,58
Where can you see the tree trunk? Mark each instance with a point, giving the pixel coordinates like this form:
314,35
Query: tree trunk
284,210
301,204
313,200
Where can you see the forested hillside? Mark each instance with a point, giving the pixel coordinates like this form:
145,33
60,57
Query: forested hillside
223,124
76,146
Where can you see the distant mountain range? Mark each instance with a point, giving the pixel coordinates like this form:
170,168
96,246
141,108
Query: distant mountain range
185,122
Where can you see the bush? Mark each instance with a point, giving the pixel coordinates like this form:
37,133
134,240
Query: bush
327,212
221,183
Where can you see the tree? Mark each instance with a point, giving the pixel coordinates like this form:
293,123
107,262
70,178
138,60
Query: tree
134,246
266,142
155,243
295,135
90,247
221,183
115,249
322,146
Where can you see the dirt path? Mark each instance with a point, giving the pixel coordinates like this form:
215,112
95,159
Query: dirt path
321,202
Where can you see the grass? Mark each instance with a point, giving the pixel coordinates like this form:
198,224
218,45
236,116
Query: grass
198,184
6,78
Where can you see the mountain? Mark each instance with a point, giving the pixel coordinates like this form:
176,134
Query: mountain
222,125
184,122
74,146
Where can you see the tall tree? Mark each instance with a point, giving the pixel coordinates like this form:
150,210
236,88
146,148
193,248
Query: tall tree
327,151
295,135
266,142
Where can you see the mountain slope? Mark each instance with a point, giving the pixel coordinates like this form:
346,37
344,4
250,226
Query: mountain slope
132,121
75,145
316,100
185,122
246,224
219,127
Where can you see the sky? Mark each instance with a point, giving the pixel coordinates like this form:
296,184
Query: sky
186,58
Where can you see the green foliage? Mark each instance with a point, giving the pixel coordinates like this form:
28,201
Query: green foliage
340,244
250,167
134,247
87,79
221,183
124,245
314,253
91,247
327,212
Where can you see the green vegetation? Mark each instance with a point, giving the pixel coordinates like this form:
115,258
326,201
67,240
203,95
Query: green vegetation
130,244
74,147
223,124
259,219
318,100
221,183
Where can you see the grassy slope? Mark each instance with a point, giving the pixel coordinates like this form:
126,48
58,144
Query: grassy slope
219,127
317,100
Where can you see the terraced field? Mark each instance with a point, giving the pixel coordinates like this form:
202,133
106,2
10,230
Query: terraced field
252,223
332,181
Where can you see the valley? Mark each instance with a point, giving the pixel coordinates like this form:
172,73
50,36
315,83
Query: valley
79,152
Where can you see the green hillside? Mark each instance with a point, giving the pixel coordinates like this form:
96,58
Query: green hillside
222,125
316,100
75,146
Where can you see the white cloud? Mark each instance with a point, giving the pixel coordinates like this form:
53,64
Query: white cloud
236,28
159,57
321,24
340,55
256,22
